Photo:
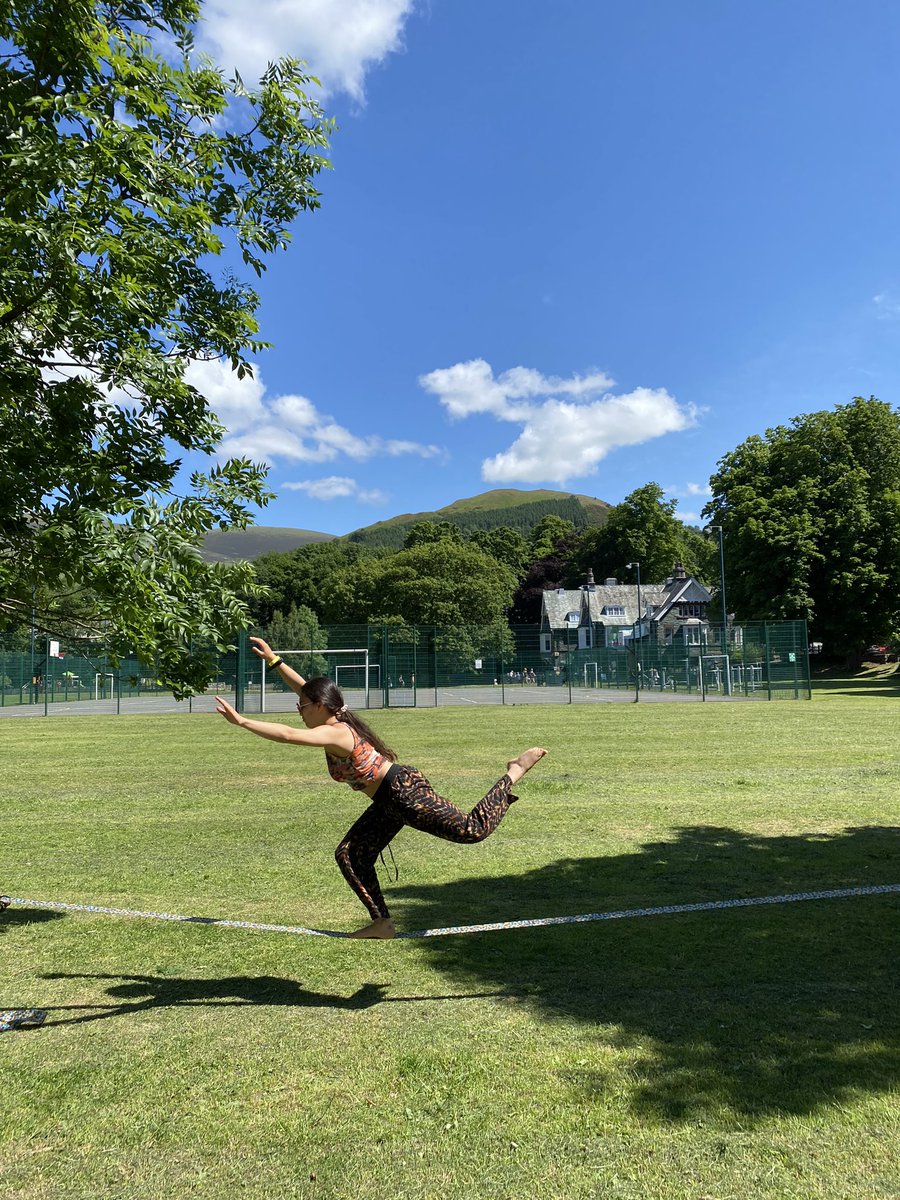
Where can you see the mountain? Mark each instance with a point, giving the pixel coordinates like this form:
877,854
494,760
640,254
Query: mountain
518,509
229,545
504,506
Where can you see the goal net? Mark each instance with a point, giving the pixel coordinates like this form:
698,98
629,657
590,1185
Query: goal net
715,673
350,670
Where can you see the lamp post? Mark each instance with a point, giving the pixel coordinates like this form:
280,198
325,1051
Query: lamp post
635,632
720,533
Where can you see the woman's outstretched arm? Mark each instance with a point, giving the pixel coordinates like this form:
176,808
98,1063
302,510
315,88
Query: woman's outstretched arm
292,678
337,739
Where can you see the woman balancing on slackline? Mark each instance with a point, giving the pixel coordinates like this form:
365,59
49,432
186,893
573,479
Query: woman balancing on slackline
400,795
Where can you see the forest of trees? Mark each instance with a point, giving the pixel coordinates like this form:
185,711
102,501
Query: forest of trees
443,576
810,514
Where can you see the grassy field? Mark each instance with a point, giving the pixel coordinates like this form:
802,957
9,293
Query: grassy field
729,1054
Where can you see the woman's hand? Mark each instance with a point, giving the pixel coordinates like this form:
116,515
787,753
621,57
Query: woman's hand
229,713
262,648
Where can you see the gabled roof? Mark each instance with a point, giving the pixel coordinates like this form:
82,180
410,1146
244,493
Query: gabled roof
682,591
589,602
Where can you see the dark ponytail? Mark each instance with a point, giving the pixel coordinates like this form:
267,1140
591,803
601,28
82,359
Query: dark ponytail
325,691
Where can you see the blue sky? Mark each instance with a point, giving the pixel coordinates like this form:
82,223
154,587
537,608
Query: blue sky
579,245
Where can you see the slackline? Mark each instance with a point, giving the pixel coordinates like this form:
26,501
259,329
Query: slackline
537,922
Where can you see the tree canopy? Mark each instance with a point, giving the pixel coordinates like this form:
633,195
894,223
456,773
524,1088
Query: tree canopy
436,583
811,521
644,529
306,576
123,174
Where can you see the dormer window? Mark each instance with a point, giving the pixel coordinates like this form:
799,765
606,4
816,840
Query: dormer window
613,610
692,608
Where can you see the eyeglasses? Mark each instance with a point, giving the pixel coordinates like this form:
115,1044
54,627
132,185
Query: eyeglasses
304,704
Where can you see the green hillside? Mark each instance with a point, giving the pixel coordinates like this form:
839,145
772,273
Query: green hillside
229,545
513,507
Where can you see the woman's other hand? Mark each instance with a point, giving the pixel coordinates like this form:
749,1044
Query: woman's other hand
262,648
229,713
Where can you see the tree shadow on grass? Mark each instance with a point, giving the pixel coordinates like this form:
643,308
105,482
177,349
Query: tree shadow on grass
874,680
138,993
741,1012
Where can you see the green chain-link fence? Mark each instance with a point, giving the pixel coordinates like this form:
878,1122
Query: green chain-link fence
395,666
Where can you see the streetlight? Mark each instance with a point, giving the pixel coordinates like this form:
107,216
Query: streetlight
637,673
718,529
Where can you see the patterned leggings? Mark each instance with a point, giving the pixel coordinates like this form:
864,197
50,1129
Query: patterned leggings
405,797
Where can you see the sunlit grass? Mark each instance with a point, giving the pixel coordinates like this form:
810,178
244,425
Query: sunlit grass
750,1052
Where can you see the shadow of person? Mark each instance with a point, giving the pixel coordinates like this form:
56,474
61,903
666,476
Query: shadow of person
12,917
138,993
141,992
744,1011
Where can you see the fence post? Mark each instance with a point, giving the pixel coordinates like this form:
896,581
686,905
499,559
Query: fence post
768,661
240,657
806,661
385,668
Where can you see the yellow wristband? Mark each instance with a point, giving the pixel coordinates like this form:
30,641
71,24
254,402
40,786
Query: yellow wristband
274,662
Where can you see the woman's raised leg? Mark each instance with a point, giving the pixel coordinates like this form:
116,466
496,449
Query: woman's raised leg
416,803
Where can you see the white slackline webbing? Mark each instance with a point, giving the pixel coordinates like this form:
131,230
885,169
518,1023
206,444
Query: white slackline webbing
661,910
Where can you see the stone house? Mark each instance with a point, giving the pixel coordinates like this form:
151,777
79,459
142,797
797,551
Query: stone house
600,616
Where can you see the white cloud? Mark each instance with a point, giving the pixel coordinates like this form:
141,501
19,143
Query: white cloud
886,307
340,40
236,402
470,387
287,428
336,487
561,439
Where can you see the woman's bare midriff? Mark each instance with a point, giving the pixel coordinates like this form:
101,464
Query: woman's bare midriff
371,788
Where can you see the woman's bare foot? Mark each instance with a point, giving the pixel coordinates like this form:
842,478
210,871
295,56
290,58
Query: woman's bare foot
517,767
382,928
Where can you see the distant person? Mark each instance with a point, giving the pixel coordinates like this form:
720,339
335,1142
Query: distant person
399,795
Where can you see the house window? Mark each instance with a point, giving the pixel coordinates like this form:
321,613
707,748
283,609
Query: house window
545,643
691,608
691,635
584,637
614,610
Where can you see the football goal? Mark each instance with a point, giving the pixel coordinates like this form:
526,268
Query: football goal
715,673
350,670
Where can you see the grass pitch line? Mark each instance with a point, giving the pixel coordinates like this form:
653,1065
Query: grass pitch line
538,922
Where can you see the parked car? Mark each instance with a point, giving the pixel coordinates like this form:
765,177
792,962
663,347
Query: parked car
879,654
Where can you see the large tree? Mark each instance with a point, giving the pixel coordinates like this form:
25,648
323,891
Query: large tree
506,545
811,520
448,584
436,583
123,173
644,529
306,576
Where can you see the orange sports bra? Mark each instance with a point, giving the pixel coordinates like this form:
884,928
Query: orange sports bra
360,768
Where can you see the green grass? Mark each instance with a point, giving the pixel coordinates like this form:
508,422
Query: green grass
730,1054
